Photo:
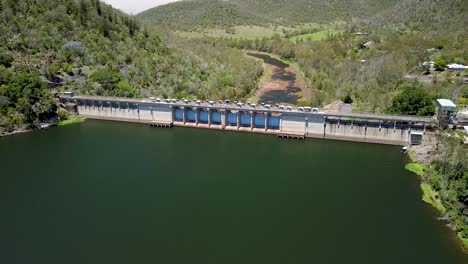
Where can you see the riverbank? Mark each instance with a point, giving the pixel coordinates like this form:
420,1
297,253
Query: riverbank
72,120
26,128
429,195
422,158
282,81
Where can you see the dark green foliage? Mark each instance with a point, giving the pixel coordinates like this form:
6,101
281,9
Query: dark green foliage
413,101
84,6
90,48
5,59
440,64
347,99
448,175
106,77
26,99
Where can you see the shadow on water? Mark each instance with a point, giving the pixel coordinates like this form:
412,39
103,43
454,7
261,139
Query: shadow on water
287,92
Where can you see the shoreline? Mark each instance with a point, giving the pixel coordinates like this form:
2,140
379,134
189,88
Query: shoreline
419,166
23,130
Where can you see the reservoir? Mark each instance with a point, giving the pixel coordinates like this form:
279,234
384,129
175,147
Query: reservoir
108,192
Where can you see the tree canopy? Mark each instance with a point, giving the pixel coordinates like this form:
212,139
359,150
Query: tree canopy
413,101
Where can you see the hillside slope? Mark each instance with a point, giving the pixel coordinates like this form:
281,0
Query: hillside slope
196,14
426,15
88,47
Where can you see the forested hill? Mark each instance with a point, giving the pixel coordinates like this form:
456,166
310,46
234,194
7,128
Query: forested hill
426,15
193,14
88,47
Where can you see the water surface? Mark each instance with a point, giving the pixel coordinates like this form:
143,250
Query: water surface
104,192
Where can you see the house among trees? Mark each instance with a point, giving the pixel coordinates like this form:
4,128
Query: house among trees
456,67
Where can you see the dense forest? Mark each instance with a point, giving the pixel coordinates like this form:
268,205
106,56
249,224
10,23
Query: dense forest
88,47
447,175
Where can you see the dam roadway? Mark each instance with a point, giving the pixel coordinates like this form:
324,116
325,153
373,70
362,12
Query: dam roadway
282,121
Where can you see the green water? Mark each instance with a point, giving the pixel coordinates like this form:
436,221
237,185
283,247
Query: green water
104,192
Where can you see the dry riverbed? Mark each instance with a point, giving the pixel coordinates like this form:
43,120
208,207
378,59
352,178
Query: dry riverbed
282,83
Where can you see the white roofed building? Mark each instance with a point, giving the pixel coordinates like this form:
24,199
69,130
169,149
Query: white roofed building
456,67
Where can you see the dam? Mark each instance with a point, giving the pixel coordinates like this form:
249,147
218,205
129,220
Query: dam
283,121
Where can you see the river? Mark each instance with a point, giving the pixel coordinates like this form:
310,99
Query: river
106,192
280,84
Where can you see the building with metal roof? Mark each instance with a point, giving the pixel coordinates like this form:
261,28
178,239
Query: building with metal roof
446,105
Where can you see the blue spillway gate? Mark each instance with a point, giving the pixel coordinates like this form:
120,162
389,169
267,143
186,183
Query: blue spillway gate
274,122
232,119
190,115
179,115
259,121
216,118
203,117
245,120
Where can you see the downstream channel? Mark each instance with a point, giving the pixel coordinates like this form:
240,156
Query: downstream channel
280,84
106,192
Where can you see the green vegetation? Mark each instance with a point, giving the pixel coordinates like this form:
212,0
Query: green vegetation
413,101
89,48
370,67
429,197
73,120
247,32
445,182
416,168
319,35
198,15
448,177
24,99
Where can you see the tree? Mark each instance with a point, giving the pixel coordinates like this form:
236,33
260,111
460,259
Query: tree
124,89
440,64
106,77
347,99
28,94
98,7
5,59
84,8
413,101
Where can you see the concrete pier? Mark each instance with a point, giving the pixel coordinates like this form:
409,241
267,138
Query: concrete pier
292,123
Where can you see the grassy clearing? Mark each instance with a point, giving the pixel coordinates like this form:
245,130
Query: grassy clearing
320,35
416,168
464,240
73,120
252,32
246,32
429,195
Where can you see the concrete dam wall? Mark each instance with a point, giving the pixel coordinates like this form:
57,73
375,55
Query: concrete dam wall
384,129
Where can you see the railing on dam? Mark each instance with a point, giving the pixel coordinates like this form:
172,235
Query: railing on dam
227,115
